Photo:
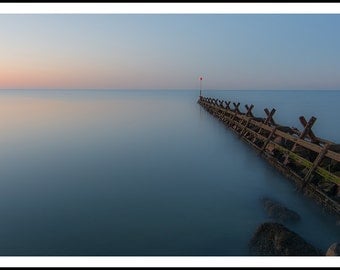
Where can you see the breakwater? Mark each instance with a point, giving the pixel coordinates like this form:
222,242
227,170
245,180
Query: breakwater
311,162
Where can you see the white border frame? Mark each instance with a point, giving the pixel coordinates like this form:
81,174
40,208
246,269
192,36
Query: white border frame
168,8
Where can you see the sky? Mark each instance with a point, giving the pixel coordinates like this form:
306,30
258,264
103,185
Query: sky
170,51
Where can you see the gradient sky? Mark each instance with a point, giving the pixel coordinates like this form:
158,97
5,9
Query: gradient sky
170,51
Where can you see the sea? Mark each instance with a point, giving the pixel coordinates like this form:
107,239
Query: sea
146,173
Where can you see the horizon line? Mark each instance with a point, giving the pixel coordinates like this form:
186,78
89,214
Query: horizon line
154,89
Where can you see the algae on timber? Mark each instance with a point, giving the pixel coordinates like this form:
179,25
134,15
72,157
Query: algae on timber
299,155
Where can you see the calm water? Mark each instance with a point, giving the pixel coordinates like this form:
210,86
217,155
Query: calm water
144,173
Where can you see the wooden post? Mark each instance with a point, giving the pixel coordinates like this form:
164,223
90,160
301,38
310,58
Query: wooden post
227,103
245,126
310,133
316,163
269,120
249,113
308,126
235,112
201,78
304,133
268,139
236,107
250,116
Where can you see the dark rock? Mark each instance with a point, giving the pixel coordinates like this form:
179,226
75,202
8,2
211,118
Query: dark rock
279,212
333,250
303,152
274,239
335,166
285,129
335,148
259,119
328,187
337,173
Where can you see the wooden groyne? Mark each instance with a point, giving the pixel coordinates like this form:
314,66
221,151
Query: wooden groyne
311,162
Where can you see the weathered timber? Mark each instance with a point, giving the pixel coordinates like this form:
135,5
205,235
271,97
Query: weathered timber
269,119
307,130
315,164
249,112
313,161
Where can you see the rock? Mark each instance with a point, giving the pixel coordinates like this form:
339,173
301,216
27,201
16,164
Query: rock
303,152
335,148
328,187
337,173
275,239
285,129
259,119
333,250
279,212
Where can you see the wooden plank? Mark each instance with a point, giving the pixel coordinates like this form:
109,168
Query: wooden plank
304,133
244,127
314,147
333,155
327,175
321,171
315,164
293,155
268,139
256,135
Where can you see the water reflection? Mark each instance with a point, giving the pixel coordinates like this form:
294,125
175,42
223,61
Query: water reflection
132,173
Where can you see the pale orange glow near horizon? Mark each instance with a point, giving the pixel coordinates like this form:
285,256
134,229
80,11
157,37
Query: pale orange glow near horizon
12,76
55,73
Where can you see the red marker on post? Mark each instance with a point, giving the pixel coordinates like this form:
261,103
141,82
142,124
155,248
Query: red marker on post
201,78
